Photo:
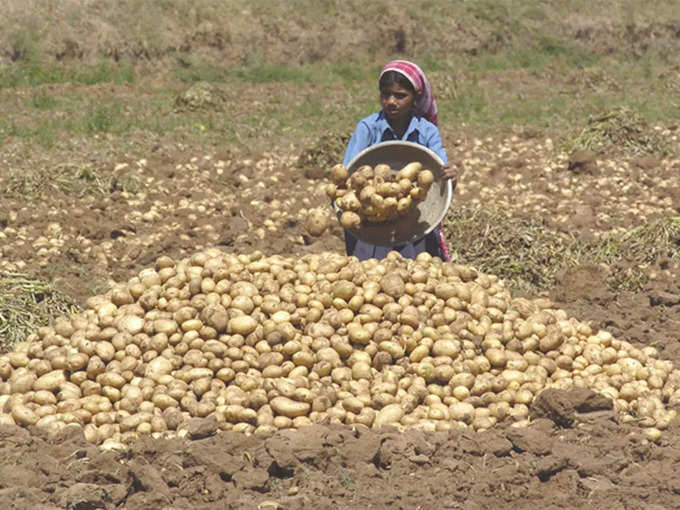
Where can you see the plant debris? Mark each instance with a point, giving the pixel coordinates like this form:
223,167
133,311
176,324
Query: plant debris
326,152
71,179
529,256
620,129
522,252
27,303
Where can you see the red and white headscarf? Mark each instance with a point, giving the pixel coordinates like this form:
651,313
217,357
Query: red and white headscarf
425,106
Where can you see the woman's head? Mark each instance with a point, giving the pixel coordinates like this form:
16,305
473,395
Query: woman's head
397,96
389,78
408,76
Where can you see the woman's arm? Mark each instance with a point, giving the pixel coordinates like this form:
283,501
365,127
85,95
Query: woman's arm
361,138
434,143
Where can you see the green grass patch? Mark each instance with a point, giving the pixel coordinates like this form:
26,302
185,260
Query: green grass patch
189,71
350,73
40,100
105,117
559,100
263,72
27,303
70,115
533,77
31,73
43,134
24,42
546,52
471,105
255,70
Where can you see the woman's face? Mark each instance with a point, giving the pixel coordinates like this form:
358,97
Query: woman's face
396,102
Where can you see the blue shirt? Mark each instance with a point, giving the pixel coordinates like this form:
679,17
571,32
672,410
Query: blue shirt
375,128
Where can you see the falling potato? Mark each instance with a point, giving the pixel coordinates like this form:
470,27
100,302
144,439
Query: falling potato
339,174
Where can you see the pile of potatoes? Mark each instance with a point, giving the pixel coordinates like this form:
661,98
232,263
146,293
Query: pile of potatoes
268,343
377,194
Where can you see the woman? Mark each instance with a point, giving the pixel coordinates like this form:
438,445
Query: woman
408,113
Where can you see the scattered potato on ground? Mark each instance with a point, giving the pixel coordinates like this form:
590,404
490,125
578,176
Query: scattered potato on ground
317,221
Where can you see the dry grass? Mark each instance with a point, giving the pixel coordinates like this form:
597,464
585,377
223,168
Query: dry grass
620,129
521,252
328,150
529,257
26,303
237,32
629,255
655,241
68,178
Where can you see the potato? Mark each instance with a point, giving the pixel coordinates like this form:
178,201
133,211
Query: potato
158,367
358,180
111,379
23,415
339,174
242,325
358,333
317,222
418,193
450,348
51,381
404,205
289,408
350,220
388,415
392,285
425,179
384,189
331,190
377,195
382,172
350,202
377,201
496,357
21,383
410,171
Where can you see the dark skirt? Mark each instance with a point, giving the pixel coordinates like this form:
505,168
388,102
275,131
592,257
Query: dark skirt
430,244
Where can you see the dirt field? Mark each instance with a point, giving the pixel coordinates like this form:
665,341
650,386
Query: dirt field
162,196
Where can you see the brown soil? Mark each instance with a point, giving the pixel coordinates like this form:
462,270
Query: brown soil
574,455
593,462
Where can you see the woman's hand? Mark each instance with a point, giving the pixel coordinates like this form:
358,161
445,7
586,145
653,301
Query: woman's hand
451,172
